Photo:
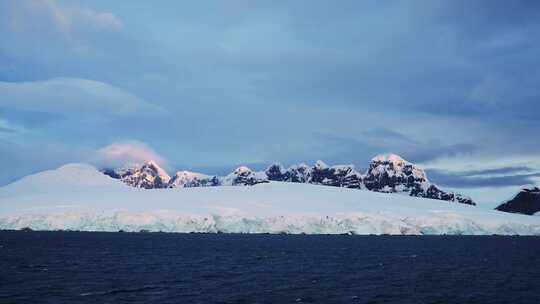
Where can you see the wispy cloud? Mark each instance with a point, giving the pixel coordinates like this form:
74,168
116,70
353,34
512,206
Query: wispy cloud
71,95
372,142
496,177
126,153
63,20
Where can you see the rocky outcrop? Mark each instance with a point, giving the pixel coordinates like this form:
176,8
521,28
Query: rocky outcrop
391,173
527,201
386,173
337,176
244,176
148,175
275,172
186,179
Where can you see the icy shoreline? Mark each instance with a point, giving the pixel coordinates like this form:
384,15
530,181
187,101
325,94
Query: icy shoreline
365,224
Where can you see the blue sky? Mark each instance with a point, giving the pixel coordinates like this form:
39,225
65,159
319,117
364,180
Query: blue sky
452,85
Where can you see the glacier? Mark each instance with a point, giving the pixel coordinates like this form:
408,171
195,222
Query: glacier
79,197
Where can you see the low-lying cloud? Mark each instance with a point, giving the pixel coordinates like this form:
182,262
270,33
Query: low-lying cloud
127,153
496,177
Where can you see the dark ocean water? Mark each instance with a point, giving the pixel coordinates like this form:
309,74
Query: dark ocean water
76,267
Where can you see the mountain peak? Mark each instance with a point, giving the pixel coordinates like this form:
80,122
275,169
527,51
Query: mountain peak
320,165
242,169
149,175
154,166
190,179
386,173
244,176
391,173
151,163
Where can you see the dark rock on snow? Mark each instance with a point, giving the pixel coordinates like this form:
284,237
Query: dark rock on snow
386,173
527,201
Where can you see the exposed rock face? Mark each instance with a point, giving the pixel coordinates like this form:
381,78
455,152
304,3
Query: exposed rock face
241,176
527,201
298,174
320,174
295,174
434,192
386,173
148,176
151,176
352,179
275,172
192,179
244,176
337,176
111,172
391,173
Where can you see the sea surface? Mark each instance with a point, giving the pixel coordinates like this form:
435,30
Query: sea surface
92,267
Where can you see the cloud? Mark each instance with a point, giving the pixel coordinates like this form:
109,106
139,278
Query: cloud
384,134
55,30
98,20
126,153
496,91
19,160
46,37
5,127
60,20
484,18
71,95
497,171
376,141
494,177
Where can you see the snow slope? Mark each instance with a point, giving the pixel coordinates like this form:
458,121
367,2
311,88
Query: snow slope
78,197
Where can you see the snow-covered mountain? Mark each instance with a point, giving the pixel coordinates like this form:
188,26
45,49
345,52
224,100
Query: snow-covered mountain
295,174
243,176
391,173
148,175
527,201
192,179
320,174
151,176
78,197
386,173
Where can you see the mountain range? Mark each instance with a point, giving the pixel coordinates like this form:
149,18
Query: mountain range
386,173
79,197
